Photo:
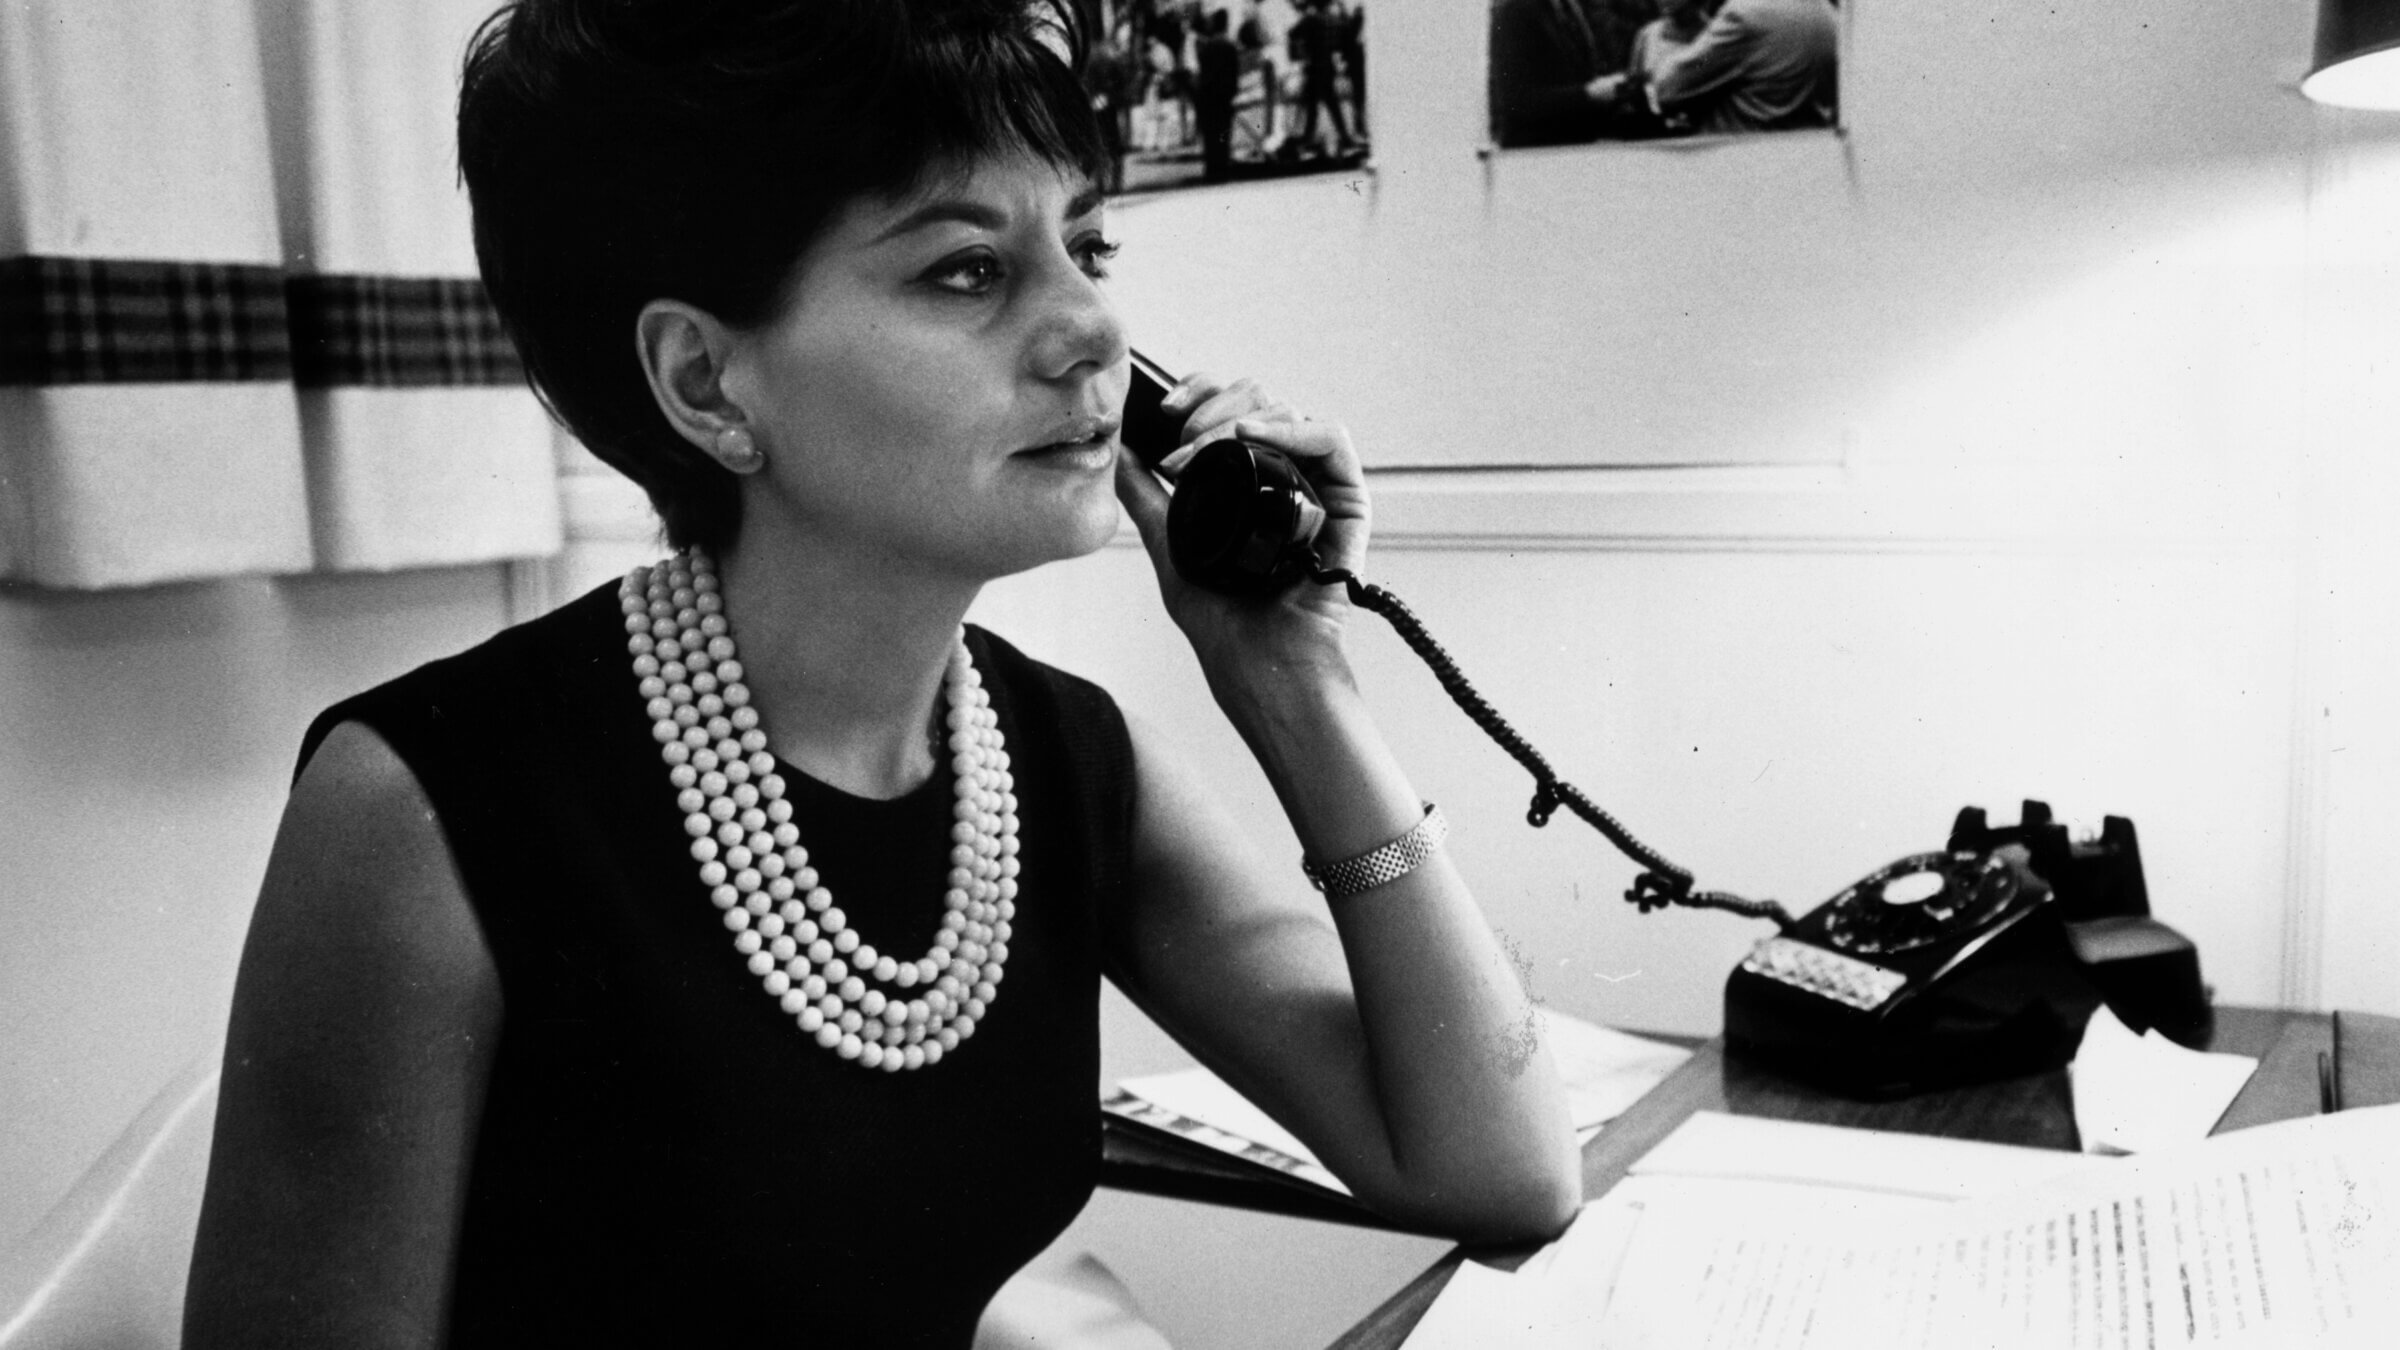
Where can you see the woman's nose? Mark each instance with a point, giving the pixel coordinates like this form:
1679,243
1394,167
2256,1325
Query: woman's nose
1078,326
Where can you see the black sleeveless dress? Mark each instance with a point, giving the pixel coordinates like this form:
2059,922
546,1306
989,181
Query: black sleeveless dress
664,1157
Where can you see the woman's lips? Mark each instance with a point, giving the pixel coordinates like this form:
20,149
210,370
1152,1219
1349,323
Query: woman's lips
1091,443
1096,452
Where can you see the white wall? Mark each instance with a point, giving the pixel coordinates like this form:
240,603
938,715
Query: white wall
2070,370
146,741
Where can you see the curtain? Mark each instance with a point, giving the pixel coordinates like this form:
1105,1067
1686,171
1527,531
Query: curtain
240,329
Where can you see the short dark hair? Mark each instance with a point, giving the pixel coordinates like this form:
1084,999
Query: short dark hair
623,151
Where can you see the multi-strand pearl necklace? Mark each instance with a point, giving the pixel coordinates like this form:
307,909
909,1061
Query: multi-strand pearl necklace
862,1004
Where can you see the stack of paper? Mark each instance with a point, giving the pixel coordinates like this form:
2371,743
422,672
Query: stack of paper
2283,1235
1604,1072
2136,1093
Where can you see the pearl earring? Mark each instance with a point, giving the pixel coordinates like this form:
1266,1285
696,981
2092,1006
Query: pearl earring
737,451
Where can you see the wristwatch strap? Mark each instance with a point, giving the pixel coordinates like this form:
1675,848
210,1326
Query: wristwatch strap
1387,863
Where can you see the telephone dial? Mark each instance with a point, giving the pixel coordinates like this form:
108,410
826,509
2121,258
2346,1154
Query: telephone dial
1979,961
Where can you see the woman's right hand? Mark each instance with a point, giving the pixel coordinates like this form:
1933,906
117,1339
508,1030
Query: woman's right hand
1240,638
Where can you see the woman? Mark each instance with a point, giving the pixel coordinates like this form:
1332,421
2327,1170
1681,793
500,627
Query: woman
719,954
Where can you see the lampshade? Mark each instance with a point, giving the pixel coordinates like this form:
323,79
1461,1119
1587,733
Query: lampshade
2358,54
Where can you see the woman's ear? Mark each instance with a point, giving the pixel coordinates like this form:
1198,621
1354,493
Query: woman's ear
683,350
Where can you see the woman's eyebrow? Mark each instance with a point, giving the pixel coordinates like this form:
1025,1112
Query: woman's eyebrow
944,210
982,215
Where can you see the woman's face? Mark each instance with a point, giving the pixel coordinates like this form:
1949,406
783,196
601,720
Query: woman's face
941,388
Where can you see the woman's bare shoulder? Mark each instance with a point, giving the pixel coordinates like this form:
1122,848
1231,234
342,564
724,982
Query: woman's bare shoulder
362,879
364,1021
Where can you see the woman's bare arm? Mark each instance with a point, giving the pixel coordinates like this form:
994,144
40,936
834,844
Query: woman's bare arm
1395,1039
364,1019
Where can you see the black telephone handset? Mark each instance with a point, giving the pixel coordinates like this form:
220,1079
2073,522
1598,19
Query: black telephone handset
1243,515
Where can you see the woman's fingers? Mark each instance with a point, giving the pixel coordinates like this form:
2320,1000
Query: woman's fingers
1211,407
1304,439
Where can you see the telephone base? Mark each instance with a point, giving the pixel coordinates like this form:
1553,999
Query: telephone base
2018,1008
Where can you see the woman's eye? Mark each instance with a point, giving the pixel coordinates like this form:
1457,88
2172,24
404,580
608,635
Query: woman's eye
971,275
1095,253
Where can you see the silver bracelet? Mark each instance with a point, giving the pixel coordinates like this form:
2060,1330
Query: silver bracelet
1376,866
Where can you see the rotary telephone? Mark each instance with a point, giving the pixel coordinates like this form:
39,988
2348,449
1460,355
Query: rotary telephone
1976,962
1979,961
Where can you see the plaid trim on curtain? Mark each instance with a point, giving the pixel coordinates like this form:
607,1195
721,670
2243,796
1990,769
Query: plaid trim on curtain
97,321
395,332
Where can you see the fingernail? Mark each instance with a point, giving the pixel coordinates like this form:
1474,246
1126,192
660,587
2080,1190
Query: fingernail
1174,398
1177,460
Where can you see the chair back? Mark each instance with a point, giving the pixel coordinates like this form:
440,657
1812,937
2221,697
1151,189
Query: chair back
104,1269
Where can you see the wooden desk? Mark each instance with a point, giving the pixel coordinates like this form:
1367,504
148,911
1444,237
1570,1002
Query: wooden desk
2033,1111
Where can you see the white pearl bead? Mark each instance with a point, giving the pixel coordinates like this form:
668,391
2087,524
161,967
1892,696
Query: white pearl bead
723,772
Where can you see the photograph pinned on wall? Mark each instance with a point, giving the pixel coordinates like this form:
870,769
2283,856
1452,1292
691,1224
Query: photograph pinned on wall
1194,92
1568,72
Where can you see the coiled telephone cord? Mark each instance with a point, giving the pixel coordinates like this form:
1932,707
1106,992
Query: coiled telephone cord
1660,883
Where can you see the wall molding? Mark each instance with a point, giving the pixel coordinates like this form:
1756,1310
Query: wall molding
1760,509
